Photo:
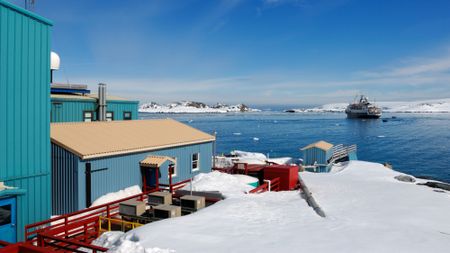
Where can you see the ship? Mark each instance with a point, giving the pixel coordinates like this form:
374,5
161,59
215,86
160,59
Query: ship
363,109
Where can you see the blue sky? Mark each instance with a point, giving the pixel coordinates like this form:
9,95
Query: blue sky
256,52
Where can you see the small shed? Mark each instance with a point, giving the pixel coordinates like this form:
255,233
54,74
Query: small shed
318,153
84,107
90,159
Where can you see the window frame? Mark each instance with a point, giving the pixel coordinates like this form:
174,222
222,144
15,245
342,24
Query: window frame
84,116
112,116
197,162
8,219
126,118
174,174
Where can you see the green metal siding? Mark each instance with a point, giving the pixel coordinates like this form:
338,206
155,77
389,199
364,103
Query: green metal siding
24,109
119,107
71,110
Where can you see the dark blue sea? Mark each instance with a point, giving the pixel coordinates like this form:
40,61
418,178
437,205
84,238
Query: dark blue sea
417,144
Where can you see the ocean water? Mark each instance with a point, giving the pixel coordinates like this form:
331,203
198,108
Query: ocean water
417,144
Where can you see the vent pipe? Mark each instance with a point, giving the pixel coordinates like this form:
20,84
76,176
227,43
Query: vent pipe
102,102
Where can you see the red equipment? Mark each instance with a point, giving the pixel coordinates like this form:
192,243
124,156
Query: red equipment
288,175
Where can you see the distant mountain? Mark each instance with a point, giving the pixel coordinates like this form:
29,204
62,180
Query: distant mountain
426,106
194,107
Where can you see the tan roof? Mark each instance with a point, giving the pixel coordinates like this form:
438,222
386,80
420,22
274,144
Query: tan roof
320,144
90,97
98,139
156,160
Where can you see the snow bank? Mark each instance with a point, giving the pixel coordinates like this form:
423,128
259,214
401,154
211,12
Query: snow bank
113,196
119,242
194,107
367,211
426,106
227,184
257,158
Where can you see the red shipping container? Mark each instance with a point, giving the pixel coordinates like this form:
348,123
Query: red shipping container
288,175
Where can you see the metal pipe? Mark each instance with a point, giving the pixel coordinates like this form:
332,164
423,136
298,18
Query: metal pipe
88,184
102,102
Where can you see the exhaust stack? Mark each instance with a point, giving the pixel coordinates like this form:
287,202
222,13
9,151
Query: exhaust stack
102,102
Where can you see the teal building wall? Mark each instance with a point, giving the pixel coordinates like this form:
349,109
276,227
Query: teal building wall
71,109
25,113
116,172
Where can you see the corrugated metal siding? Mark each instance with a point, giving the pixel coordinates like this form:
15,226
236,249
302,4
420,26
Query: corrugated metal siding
312,155
64,110
124,171
71,111
64,181
119,107
24,111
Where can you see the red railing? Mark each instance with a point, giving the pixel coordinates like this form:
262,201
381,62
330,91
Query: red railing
274,186
173,187
77,223
21,247
71,245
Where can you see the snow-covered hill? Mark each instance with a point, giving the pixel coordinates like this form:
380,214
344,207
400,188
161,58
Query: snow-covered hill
367,210
193,107
426,106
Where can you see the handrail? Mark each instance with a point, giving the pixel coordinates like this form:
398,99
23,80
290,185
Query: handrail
274,186
64,220
176,186
112,220
56,241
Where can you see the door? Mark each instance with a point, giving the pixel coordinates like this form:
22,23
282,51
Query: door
56,112
8,219
150,178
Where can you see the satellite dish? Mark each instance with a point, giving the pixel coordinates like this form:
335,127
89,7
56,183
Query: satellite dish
54,61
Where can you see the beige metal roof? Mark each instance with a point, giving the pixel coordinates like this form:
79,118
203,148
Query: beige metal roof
98,139
70,96
156,160
89,97
320,144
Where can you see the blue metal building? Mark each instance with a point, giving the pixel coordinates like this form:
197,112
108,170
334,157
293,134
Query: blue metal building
95,158
317,154
78,108
25,120
321,155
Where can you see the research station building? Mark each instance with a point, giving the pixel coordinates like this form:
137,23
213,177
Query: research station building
25,179
74,103
90,159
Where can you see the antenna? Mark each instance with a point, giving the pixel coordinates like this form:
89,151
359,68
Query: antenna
29,5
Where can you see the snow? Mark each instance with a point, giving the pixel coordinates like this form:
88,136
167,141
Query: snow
113,196
257,158
194,107
229,185
425,106
367,211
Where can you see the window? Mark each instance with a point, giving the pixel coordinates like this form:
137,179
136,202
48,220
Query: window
126,115
88,116
195,162
174,170
109,116
5,215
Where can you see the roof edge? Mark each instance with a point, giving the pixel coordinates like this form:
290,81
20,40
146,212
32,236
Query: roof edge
26,12
130,151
